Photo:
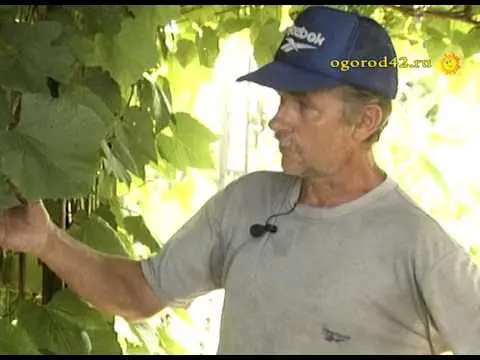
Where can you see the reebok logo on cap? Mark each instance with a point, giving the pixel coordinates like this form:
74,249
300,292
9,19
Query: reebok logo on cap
303,34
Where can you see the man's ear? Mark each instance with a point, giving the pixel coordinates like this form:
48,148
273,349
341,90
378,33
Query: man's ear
368,121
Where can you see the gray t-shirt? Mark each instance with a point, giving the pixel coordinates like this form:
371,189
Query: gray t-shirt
357,278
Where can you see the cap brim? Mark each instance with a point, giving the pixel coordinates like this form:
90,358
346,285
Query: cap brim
283,77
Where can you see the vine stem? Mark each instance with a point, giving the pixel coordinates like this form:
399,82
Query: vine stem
464,16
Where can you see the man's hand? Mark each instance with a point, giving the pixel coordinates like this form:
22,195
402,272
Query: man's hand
25,228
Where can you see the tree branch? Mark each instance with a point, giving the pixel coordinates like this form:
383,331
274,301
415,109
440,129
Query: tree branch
464,16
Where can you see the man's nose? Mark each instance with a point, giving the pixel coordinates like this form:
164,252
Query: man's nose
279,121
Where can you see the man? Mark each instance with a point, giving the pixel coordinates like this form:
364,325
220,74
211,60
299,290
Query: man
345,262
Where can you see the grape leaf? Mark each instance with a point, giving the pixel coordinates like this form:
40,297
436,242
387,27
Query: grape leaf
266,43
186,51
51,332
15,340
27,58
136,226
95,232
6,117
207,46
54,150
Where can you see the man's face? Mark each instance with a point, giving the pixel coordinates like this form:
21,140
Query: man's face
313,137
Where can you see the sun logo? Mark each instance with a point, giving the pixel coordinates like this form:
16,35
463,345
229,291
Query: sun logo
450,63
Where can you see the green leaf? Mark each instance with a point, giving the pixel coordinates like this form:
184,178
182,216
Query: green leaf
160,14
104,341
7,198
439,26
69,306
162,109
133,50
114,166
106,214
165,169
470,43
139,138
15,340
29,57
186,51
95,232
82,95
435,32
6,117
104,19
435,48
107,186
190,130
155,97
135,225
442,7
295,10
267,41
190,144
231,26
193,75
50,332
207,46
122,151
174,151
104,86
54,150
201,14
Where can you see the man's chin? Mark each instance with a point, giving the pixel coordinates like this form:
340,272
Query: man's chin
292,169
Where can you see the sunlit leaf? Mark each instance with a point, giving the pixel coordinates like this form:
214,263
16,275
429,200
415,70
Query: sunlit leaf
266,42
186,51
146,333
207,46
156,98
230,26
190,145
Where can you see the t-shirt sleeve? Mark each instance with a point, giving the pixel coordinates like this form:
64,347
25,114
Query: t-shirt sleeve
449,280
191,263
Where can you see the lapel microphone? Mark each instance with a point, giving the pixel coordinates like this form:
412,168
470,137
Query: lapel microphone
258,230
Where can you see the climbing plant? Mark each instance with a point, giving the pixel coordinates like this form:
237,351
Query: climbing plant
94,96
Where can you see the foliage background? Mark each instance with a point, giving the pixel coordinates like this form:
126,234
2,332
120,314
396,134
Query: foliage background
125,119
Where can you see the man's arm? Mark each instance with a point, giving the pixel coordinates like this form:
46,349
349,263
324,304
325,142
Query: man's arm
190,263
111,283
449,280
114,284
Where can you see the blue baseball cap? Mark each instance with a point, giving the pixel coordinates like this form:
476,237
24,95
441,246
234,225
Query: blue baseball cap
311,54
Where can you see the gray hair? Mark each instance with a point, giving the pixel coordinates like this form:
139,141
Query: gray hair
355,98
